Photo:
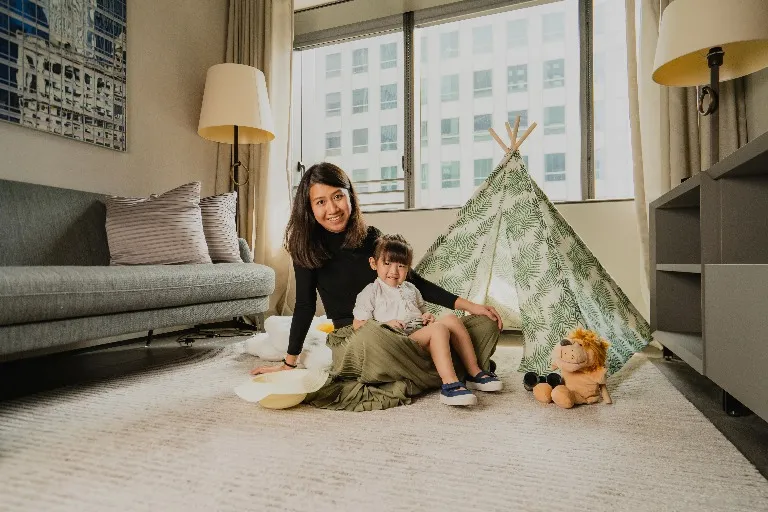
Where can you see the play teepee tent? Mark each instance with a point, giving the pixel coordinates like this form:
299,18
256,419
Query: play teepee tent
510,248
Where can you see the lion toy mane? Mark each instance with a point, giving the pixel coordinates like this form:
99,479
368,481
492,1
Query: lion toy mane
581,358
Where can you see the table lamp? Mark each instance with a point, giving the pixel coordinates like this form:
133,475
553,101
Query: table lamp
236,111
705,41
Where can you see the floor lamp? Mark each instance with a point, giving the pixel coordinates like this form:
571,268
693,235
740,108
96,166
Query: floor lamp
703,42
236,111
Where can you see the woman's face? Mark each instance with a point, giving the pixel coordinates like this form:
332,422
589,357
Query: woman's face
331,206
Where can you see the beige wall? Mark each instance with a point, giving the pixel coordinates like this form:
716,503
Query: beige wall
757,104
170,47
608,228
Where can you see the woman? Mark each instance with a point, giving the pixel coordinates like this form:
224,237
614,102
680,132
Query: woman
373,367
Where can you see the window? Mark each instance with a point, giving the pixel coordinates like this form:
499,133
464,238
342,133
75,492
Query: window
598,164
388,55
483,168
483,81
554,167
517,33
388,96
424,49
360,140
512,115
424,176
360,179
449,130
332,65
389,138
482,123
359,101
332,143
389,173
554,73
424,136
553,27
517,78
449,45
482,39
451,178
554,120
449,88
333,104
360,61
423,91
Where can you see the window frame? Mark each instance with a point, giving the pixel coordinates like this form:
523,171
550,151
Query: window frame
408,22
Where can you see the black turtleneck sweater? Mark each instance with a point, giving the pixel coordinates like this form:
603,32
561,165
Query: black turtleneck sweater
339,281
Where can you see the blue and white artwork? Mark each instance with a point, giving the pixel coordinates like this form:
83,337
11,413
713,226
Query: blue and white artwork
63,68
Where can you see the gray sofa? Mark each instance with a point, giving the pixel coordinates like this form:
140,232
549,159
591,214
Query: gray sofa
57,287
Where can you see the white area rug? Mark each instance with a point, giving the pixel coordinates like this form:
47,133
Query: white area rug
178,438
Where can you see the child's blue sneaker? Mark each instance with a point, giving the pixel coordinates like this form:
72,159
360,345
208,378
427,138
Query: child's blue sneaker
484,381
456,393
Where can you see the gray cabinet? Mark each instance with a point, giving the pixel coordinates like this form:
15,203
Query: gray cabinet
709,273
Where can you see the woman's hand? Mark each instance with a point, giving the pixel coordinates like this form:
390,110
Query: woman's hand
277,368
427,318
480,310
397,324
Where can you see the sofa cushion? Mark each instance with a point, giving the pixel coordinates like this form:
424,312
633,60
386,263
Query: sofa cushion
33,294
220,228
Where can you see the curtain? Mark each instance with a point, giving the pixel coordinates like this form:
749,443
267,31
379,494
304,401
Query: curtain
260,34
670,140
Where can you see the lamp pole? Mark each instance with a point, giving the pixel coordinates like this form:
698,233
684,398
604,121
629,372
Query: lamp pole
714,61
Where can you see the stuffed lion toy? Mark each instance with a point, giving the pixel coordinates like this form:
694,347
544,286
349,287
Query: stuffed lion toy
581,359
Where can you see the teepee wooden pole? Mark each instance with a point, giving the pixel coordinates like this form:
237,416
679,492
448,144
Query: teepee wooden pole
517,144
500,142
513,133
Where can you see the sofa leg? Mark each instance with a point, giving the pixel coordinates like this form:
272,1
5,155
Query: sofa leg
149,338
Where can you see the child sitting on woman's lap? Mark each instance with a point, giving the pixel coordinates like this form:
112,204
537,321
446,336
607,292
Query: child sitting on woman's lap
393,301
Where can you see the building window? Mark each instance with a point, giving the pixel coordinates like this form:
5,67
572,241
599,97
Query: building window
424,136
360,140
554,167
333,104
424,176
423,91
554,120
332,143
599,164
449,130
553,27
451,177
449,88
517,78
388,55
482,123
482,39
512,115
483,82
332,65
359,101
389,173
517,33
554,73
388,96
360,61
389,137
483,168
360,179
449,45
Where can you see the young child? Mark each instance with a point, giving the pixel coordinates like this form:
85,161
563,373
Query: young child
393,301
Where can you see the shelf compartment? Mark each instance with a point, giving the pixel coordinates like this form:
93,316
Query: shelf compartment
685,195
679,241
744,219
677,302
686,268
687,346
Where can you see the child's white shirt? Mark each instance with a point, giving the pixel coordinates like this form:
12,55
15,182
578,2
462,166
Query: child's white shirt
381,302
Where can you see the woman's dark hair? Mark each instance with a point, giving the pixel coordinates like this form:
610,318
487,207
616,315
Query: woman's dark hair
303,235
393,248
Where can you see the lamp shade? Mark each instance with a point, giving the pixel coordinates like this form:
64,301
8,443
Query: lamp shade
689,28
235,95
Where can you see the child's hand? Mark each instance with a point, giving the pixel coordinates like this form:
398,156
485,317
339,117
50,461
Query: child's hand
397,324
427,318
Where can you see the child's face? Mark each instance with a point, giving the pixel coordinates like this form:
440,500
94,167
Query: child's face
390,272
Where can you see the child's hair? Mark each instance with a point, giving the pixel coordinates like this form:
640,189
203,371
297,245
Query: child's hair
393,248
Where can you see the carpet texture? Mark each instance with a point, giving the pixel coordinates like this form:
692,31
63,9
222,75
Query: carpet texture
178,438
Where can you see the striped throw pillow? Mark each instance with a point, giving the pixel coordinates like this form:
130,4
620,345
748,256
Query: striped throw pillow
163,229
219,226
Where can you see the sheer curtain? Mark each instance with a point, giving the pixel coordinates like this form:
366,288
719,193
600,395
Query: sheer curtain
670,140
260,34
